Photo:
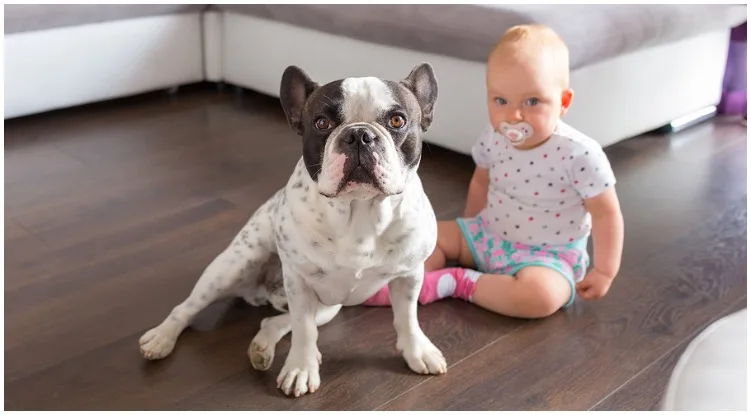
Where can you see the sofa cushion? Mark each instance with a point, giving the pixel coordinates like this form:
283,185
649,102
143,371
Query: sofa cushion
593,33
30,17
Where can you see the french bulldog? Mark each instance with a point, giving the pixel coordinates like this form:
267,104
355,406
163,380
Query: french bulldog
352,218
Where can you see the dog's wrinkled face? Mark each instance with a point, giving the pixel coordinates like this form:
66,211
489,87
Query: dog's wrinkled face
361,136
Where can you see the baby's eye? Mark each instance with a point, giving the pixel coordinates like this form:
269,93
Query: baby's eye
533,101
501,101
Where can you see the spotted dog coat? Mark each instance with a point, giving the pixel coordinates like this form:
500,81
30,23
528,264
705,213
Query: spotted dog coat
352,218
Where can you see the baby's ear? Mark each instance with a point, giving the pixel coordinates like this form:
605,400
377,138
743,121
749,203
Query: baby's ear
566,97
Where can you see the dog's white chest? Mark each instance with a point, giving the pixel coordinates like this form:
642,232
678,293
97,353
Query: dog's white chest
352,268
348,287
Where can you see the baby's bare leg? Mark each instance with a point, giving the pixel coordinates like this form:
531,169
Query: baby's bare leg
534,292
450,246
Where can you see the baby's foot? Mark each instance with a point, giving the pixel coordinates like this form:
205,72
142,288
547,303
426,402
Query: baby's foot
448,282
437,285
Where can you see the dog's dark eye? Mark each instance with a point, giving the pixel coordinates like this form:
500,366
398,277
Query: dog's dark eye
322,124
397,121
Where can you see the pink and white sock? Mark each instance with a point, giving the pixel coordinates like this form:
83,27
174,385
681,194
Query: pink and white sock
437,285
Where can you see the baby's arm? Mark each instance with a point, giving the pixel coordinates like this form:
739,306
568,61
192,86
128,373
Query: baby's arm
607,231
595,181
477,196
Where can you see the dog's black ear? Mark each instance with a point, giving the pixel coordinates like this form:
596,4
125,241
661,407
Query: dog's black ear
421,81
296,87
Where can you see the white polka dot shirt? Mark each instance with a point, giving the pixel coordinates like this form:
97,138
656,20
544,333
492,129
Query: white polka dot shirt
537,196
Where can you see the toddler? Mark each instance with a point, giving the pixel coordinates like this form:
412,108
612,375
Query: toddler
539,190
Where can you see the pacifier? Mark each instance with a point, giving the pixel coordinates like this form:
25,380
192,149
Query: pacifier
515,134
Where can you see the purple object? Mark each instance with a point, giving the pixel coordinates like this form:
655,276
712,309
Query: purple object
734,93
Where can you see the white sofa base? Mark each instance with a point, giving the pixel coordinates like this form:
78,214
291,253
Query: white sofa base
63,67
614,100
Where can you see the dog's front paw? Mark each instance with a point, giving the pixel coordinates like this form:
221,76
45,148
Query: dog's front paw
422,356
300,374
157,343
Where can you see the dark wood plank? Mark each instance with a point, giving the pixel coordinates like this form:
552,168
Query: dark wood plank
153,239
645,391
114,376
669,184
361,367
573,360
47,161
81,308
69,123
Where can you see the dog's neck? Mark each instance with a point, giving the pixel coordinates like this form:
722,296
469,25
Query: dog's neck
367,217
363,217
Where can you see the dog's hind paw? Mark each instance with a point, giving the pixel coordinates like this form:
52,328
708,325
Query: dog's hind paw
261,354
157,343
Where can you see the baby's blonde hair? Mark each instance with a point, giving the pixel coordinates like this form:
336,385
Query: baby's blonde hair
522,40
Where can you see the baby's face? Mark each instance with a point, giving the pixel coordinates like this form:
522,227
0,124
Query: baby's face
525,91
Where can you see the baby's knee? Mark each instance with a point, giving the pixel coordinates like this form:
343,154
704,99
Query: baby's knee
545,305
546,294
542,304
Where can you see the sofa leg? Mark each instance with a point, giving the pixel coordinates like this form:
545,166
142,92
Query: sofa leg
688,120
172,91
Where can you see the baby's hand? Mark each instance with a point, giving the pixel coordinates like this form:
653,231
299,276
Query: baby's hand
594,285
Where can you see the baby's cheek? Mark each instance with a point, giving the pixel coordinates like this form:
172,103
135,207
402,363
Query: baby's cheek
495,115
543,125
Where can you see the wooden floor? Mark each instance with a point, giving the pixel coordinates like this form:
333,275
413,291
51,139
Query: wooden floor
113,211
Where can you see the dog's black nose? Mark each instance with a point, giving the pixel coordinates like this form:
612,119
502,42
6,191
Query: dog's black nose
359,135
